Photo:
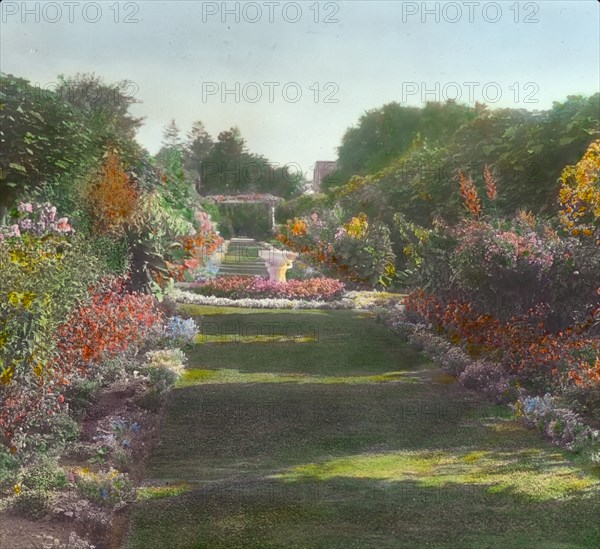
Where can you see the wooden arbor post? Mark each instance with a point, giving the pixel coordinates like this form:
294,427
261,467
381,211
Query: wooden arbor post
272,215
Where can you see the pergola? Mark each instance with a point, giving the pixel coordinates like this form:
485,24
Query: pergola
268,199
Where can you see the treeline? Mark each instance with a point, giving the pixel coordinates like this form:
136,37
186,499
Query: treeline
406,159
225,165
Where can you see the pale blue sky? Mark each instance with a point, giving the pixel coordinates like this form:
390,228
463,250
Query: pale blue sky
375,53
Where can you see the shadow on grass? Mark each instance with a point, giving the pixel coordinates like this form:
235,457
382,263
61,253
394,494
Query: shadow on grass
363,512
255,460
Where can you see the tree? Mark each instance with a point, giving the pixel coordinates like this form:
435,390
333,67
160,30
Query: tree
41,136
385,134
197,149
171,136
105,108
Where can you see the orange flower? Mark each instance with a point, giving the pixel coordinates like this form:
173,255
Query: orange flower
468,191
490,183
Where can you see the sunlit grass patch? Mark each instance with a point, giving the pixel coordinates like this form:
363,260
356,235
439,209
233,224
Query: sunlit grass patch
536,476
192,377
165,491
202,339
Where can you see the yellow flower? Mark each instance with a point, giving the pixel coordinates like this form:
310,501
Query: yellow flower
27,299
7,375
14,298
17,489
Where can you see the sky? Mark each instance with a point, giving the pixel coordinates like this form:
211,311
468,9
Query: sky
293,76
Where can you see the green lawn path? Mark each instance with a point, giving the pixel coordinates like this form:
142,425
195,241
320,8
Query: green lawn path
323,429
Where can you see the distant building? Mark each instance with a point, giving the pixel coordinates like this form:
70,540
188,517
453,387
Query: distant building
323,168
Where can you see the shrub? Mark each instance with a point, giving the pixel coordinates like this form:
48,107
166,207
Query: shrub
179,330
44,272
562,426
490,379
45,474
454,361
8,466
358,250
107,488
112,322
44,433
112,197
164,367
34,503
80,395
580,195
522,345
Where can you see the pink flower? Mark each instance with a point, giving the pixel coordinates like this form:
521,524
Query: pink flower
52,213
15,230
63,225
26,207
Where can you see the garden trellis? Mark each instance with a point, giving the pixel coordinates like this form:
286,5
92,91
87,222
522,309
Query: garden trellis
268,199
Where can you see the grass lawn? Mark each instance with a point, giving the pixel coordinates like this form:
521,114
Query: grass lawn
323,429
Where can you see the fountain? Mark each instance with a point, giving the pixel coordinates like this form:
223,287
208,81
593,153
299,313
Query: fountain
277,262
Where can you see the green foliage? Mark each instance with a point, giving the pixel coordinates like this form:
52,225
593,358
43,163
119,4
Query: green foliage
34,503
370,258
42,278
105,110
527,151
301,206
9,465
112,253
81,394
225,166
42,136
44,474
384,134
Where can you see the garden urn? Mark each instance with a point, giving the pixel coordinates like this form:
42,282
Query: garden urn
277,262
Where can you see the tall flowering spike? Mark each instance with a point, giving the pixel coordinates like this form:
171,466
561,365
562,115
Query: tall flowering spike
113,197
469,194
491,188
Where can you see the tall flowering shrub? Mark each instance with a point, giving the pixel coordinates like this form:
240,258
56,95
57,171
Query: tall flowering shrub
513,290
579,195
198,246
521,344
357,250
167,244
111,322
112,197
469,194
44,271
